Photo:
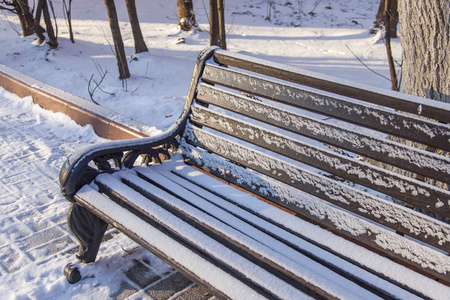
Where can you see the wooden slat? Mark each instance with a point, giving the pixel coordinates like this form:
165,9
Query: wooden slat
407,103
213,231
119,192
420,258
271,233
396,154
371,207
237,234
159,249
407,189
296,236
370,116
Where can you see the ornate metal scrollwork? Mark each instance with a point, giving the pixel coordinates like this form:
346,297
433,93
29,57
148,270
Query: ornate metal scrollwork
149,156
103,162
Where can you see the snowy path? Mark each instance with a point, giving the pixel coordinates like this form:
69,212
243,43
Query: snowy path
35,243
32,215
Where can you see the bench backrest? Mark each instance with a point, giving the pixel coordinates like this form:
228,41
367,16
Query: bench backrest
330,151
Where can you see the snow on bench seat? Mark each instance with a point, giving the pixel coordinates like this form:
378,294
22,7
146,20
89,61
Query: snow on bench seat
174,194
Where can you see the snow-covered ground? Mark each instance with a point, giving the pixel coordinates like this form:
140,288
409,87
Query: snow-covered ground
160,78
34,241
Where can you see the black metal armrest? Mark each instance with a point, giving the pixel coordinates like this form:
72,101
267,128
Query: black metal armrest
86,163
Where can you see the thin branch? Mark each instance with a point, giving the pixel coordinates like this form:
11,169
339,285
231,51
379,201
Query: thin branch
143,78
97,84
102,75
367,65
91,92
13,10
110,46
54,17
387,26
206,11
99,68
68,18
124,80
9,22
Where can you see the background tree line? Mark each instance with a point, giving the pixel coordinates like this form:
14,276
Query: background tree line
30,18
425,40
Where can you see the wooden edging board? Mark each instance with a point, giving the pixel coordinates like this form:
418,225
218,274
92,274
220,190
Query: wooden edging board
78,109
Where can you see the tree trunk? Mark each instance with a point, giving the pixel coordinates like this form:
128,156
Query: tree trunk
37,19
217,24
68,10
25,17
380,19
425,38
425,35
53,41
387,25
117,37
42,8
186,16
139,43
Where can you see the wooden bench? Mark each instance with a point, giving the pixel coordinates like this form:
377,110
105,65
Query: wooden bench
266,187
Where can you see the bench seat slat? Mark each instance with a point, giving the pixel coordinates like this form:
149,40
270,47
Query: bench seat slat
238,219
248,237
218,219
318,241
207,237
165,246
243,206
396,154
378,118
379,210
404,188
188,235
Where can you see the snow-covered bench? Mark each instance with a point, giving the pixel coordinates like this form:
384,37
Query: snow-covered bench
268,187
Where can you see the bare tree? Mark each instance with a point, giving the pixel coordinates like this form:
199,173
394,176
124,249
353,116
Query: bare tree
27,20
425,35
388,27
118,42
68,16
186,15
43,8
139,43
23,12
391,12
217,23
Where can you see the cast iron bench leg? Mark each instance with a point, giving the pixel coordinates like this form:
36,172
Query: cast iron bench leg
89,230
